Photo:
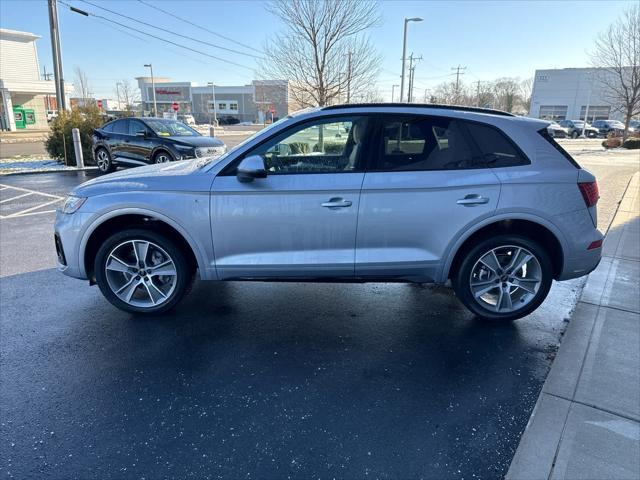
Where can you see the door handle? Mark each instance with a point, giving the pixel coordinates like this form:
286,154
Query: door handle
472,200
337,203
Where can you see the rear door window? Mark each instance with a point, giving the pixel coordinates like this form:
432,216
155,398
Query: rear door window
121,127
425,143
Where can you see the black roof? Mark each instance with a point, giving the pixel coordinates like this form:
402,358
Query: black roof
422,105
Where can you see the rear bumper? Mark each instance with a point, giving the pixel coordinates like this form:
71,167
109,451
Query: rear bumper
581,265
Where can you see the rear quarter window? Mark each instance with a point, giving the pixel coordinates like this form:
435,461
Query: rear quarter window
545,134
496,148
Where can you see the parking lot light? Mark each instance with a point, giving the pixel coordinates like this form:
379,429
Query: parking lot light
404,51
153,87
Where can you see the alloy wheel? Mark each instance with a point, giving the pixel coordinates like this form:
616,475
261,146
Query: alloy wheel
103,160
162,158
141,273
505,279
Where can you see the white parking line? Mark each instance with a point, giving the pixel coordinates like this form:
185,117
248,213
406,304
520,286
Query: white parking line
16,197
29,211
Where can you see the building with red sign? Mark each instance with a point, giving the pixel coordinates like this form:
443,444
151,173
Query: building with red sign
255,102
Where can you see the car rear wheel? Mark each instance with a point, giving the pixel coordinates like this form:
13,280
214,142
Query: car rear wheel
142,271
575,134
504,278
162,157
104,161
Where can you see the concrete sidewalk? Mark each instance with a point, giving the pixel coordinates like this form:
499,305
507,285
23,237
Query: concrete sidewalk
586,423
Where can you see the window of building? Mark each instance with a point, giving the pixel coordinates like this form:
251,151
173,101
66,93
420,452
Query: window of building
595,112
553,112
233,106
222,106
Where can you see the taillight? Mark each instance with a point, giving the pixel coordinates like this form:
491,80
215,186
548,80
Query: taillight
589,191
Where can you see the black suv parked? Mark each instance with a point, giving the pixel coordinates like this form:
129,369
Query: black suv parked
574,128
605,127
140,141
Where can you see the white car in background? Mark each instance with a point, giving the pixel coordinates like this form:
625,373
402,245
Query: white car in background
186,118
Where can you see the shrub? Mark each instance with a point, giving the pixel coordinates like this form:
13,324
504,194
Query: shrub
298,148
612,142
85,119
632,143
331,148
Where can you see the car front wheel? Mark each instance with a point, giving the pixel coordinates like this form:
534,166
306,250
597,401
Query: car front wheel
162,157
504,278
142,271
104,160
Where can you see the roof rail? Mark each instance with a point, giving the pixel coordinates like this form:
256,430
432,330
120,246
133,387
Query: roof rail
421,105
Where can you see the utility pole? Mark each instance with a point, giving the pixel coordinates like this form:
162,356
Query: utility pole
57,58
393,92
478,93
349,77
459,71
412,69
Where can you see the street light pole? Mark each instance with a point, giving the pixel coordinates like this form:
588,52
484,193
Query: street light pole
153,87
213,99
118,94
404,52
393,92
57,57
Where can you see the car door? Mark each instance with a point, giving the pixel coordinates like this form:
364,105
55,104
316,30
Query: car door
428,182
300,221
139,147
119,138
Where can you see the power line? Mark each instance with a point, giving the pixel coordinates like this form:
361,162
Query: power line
187,37
162,39
189,22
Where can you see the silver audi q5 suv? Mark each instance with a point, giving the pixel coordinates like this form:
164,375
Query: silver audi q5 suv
360,193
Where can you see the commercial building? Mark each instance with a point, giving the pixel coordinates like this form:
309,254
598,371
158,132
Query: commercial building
24,97
561,94
246,103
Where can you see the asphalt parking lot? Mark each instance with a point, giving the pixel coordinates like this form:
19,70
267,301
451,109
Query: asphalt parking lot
260,380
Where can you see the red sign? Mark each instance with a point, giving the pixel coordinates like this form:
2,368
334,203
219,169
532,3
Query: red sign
163,91
99,103
175,106
272,110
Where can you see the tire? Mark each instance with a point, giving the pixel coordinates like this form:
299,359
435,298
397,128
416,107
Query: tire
104,161
148,290
575,134
162,157
528,285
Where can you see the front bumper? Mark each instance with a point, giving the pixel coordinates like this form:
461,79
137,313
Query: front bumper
68,231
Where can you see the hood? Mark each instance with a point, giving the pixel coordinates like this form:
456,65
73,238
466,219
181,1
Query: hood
200,141
175,176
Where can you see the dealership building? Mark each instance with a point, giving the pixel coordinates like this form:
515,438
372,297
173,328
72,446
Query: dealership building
246,103
565,93
24,97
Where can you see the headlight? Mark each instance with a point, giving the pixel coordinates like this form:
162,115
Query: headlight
210,151
72,204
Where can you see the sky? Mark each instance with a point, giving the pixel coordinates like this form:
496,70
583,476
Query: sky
491,39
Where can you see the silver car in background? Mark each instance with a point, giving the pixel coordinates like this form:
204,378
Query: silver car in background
359,193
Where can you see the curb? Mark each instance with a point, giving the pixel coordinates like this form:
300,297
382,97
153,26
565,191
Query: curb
56,170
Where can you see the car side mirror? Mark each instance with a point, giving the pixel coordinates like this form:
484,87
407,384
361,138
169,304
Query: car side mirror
250,168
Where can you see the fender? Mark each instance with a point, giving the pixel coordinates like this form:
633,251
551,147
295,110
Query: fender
467,231
206,272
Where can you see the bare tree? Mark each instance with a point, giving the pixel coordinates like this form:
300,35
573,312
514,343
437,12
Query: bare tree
617,52
127,94
506,91
82,88
323,51
526,89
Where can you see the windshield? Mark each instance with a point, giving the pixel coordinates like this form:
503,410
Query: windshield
171,128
